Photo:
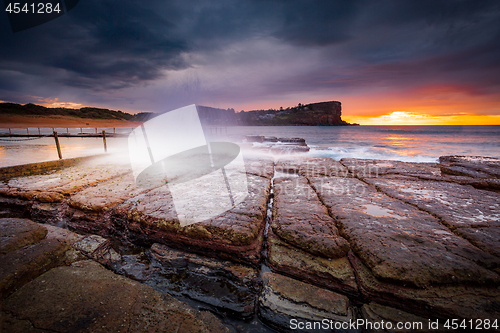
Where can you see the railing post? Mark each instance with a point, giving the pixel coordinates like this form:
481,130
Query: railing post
57,145
81,130
28,131
67,130
10,133
114,130
104,141
96,130
38,130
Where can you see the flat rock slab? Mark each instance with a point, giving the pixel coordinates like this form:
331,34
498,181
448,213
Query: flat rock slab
21,266
54,186
88,298
399,242
200,278
487,239
16,233
284,298
450,301
262,166
457,205
236,233
369,168
472,166
312,167
334,274
106,194
300,219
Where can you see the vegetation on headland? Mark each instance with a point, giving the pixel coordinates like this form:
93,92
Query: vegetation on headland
314,114
85,113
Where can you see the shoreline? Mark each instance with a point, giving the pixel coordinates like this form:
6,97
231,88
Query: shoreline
62,122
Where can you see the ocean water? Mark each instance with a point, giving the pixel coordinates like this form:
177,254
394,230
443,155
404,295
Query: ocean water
403,143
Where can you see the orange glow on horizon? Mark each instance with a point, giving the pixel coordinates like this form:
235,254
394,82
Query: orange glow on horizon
426,105
411,118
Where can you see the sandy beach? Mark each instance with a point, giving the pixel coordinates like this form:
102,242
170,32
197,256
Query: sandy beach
61,122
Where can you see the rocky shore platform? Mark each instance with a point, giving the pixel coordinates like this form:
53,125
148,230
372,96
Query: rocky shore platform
83,248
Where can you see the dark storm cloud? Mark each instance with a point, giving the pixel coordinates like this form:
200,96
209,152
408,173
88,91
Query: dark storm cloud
100,44
105,46
306,23
109,45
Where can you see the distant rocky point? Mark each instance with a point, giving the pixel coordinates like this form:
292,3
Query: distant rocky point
314,114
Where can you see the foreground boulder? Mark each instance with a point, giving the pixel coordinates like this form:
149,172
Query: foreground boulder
16,233
26,253
86,297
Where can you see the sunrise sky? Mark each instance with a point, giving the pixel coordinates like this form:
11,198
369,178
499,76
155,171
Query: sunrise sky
389,62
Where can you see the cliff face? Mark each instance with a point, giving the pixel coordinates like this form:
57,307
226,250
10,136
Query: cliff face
323,113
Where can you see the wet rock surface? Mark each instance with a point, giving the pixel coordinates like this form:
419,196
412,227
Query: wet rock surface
312,166
400,243
376,313
52,187
456,205
334,274
228,286
106,194
300,219
368,168
421,240
446,301
236,233
284,299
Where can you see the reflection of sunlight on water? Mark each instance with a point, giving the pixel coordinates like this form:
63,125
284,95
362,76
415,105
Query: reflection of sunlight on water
44,149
